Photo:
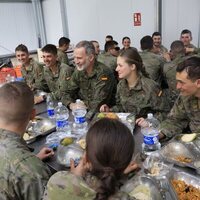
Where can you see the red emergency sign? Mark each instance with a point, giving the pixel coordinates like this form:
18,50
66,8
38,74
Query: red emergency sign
137,19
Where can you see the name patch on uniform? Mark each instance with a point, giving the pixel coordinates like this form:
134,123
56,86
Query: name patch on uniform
104,78
68,78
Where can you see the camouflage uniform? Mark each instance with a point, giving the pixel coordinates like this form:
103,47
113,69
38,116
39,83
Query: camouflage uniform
153,64
169,72
23,176
144,98
62,57
161,50
186,111
59,81
65,185
33,74
94,89
108,60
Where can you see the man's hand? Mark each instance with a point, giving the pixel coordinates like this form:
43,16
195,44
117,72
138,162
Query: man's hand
141,122
45,153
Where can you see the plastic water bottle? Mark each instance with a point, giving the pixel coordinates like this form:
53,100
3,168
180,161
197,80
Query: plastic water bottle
61,115
79,112
50,107
150,135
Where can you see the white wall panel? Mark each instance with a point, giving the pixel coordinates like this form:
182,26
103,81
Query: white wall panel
179,15
17,26
52,20
94,19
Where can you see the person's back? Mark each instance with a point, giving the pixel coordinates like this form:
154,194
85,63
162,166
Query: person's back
153,63
63,47
110,147
23,176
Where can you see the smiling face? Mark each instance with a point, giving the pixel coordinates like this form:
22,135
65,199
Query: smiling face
49,59
157,40
81,59
22,57
186,86
123,68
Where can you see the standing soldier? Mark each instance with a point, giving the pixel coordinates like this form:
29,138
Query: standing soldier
32,71
92,82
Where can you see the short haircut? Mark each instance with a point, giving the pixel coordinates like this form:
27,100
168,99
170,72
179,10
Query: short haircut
16,102
50,48
109,37
110,44
22,47
88,46
146,42
186,31
177,47
156,34
126,37
191,66
63,40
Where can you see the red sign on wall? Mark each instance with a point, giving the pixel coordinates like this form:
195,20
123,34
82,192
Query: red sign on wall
137,19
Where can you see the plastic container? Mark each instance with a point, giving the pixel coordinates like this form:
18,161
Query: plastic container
61,115
80,125
150,135
50,107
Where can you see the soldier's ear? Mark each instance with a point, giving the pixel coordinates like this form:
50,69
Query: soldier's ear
133,67
91,57
198,83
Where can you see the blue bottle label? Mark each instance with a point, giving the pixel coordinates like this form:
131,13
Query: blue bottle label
150,140
61,123
50,112
79,120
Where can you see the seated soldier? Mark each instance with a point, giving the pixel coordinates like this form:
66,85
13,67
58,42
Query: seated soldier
92,82
61,51
136,93
23,175
186,111
32,71
110,147
56,74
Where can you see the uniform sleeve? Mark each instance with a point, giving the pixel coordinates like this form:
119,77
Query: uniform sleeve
71,90
176,120
104,89
65,185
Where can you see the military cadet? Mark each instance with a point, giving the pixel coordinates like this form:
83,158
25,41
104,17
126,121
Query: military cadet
96,47
108,38
31,69
23,175
109,58
135,92
110,146
177,53
153,63
126,42
92,82
61,52
56,74
186,110
186,38
158,48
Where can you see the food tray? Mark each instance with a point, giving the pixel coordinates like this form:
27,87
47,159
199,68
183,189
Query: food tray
37,127
189,154
189,179
130,187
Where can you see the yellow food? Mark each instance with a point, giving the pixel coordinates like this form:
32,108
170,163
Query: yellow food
110,115
26,136
188,137
66,141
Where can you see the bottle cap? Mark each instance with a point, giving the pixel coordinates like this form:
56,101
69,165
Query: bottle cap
149,115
